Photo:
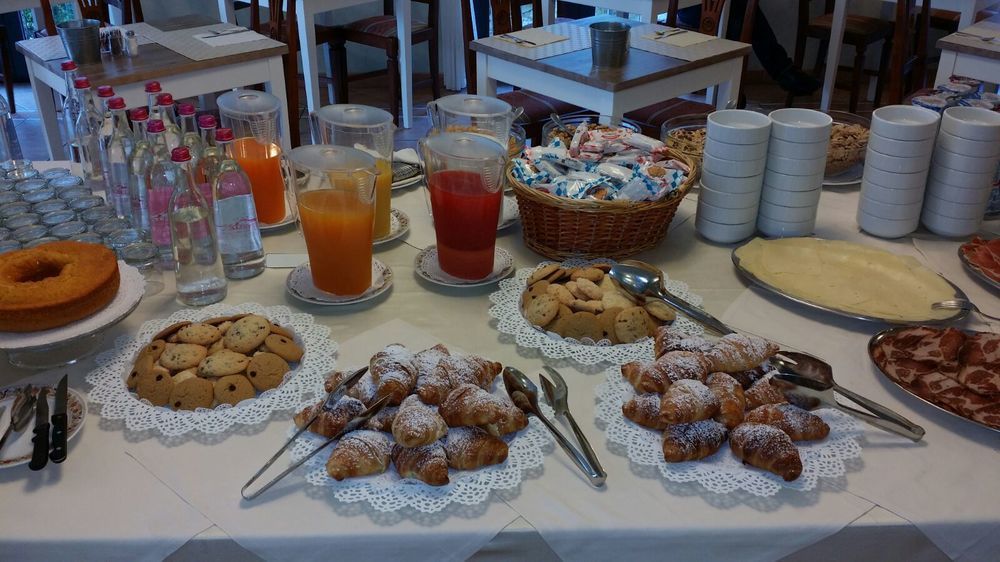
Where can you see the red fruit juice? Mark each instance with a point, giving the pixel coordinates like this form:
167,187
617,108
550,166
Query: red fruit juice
465,220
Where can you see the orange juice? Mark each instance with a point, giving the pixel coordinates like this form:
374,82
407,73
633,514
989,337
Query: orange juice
337,226
262,165
383,198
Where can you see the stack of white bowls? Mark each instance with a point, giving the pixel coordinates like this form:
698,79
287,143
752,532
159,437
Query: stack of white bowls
793,179
900,143
961,179
732,173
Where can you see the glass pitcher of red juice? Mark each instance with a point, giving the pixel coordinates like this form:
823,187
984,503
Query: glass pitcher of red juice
465,180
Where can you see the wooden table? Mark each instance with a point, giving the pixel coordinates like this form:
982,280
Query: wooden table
646,78
647,10
970,56
180,75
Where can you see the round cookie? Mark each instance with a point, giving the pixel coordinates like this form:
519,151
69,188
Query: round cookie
233,389
607,320
589,289
201,334
192,393
582,325
184,375
224,326
169,331
561,293
591,274
142,364
182,356
154,349
282,331
216,347
631,324
283,347
266,371
661,311
541,310
155,385
247,333
542,272
225,362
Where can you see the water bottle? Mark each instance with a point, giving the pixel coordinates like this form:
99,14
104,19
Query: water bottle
160,183
139,117
117,151
10,148
139,164
235,215
165,102
207,125
207,164
87,149
191,137
70,106
197,268
153,91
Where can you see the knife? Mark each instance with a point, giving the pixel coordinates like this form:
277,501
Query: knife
40,454
59,419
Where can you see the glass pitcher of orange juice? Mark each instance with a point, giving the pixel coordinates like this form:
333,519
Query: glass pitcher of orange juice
335,194
254,118
365,128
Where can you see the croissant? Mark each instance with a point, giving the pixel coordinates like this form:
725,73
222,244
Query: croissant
739,352
428,463
644,409
688,401
394,373
766,447
799,424
417,424
511,419
468,448
748,377
763,392
470,405
332,380
469,369
656,376
432,385
382,420
692,441
330,423
667,339
359,453
364,390
731,399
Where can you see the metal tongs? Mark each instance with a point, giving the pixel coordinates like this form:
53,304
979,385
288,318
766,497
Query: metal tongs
331,401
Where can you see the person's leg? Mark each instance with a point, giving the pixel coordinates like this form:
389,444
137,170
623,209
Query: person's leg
771,54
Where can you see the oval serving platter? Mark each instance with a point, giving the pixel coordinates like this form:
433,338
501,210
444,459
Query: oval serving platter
977,271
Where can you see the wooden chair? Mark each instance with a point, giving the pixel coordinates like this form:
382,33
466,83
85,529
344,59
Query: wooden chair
8,69
859,32
281,26
94,10
909,54
380,32
48,23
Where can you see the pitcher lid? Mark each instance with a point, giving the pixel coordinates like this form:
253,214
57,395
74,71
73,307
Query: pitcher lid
248,104
331,158
470,105
464,145
354,115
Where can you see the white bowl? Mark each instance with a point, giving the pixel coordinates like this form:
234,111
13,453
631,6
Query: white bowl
958,194
728,200
732,168
905,122
974,123
977,148
954,210
881,194
947,226
795,166
894,147
893,211
792,183
781,229
786,214
962,179
895,181
896,164
724,233
730,151
723,215
790,198
963,162
738,126
800,150
886,228
800,125
727,184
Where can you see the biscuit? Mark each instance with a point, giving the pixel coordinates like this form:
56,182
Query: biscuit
541,311
541,273
216,347
199,333
614,300
582,325
575,290
233,389
225,362
561,293
154,385
588,288
169,331
183,356
534,291
282,331
172,338
247,333
607,321
192,393
283,347
661,311
184,375
143,363
224,326
604,267
591,274
154,349
266,371
631,324
558,275
593,307
218,320
609,286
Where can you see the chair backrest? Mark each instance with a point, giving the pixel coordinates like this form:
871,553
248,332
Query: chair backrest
94,10
132,11
506,18
711,17
281,23
47,20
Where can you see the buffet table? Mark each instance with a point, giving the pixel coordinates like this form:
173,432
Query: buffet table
136,495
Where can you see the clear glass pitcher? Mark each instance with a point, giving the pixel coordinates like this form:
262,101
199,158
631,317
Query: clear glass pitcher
465,180
369,129
255,119
478,114
335,193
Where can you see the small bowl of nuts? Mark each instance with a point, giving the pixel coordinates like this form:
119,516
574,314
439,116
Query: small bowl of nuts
848,143
686,134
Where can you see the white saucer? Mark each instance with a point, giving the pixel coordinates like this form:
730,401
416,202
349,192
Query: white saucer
300,285
399,224
428,268
850,176
408,182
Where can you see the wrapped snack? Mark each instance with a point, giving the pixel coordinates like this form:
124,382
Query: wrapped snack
614,171
573,188
526,173
626,158
973,102
590,156
934,103
594,145
957,88
549,168
579,137
642,142
638,188
975,84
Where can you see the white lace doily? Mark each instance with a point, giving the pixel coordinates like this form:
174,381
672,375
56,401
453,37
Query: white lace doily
507,310
722,472
388,492
116,402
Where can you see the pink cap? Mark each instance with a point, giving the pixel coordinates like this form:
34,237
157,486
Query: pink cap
185,109
105,91
140,114
224,134
164,99
155,126
180,154
152,87
116,103
68,65
206,121
81,82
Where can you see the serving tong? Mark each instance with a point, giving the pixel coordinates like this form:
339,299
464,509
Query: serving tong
331,401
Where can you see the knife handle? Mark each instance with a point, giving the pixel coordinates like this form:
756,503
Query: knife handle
58,453
40,454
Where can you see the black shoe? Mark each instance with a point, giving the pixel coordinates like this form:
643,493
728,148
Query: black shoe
796,82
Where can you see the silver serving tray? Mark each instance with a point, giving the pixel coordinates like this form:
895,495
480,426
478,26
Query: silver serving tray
875,341
976,271
959,294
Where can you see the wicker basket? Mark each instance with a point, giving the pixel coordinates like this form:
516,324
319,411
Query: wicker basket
561,228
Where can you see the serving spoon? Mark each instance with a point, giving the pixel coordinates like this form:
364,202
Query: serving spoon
961,304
